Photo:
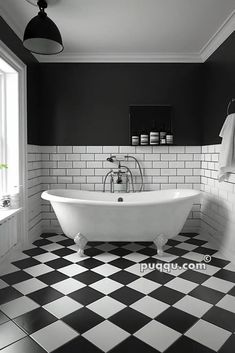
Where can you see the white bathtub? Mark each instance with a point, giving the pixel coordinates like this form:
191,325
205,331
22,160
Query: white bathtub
145,216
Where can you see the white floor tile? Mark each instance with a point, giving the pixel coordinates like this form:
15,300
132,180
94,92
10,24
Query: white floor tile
106,335
144,285
72,270
136,257
48,256
194,256
180,238
218,284
62,307
106,307
210,270
133,247
182,285
54,335
210,245
75,257
166,257
57,238
136,270
186,246
106,270
106,257
18,307
150,306
38,270
220,255
29,286
10,333
208,334
106,285
227,303
230,267
68,286
157,335
7,268
52,247
193,306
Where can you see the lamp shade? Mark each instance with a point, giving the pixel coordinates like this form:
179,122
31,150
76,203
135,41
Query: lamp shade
42,36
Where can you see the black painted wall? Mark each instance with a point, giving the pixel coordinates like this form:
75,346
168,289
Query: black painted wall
87,104
219,89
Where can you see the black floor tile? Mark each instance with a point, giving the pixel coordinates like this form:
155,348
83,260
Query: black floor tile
218,262
52,277
176,251
205,251
159,277
7,294
88,277
124,277
129,320
16,277
58,263
86,295
226,274
177,319
220,317
190,235
133,344
95,243
83,320
120,252
78,345
126,295
167,295
90,263
186,345
228,346
63,252
93,252
25,345
42,242
207,294
48,235
66,242
119,243
144,243
34,252
35,320
194,276
232,291
45,295
122,263
173,242
25,263
197,242
148,251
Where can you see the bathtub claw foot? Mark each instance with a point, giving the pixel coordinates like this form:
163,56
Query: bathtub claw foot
160,241
81,242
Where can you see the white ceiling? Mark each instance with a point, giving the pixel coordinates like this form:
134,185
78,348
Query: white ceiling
131,30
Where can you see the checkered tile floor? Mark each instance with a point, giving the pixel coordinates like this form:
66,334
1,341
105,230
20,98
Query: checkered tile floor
52,300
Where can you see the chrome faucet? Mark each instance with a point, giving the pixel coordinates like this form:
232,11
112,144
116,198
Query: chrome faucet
122,172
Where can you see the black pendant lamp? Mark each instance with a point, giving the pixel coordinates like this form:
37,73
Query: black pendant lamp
41,35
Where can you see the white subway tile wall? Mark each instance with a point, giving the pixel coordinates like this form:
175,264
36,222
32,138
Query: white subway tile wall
35,174
84,168
218,202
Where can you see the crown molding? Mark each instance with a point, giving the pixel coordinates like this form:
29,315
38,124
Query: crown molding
121,58
224,31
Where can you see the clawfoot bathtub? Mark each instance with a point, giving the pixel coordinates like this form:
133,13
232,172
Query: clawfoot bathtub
96,216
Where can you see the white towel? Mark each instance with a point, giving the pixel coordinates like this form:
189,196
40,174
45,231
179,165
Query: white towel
227,153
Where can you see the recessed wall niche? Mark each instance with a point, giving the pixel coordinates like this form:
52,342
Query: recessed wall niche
147,118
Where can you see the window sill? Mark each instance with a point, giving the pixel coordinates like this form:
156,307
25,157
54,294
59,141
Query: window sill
5,214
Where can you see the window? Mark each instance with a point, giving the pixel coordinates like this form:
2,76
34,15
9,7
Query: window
9,128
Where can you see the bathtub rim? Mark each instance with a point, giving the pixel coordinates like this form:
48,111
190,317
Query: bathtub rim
47,195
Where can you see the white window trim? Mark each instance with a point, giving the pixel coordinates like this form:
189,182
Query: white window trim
7,55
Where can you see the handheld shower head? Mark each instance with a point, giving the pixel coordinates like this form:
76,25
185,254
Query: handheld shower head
111,159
